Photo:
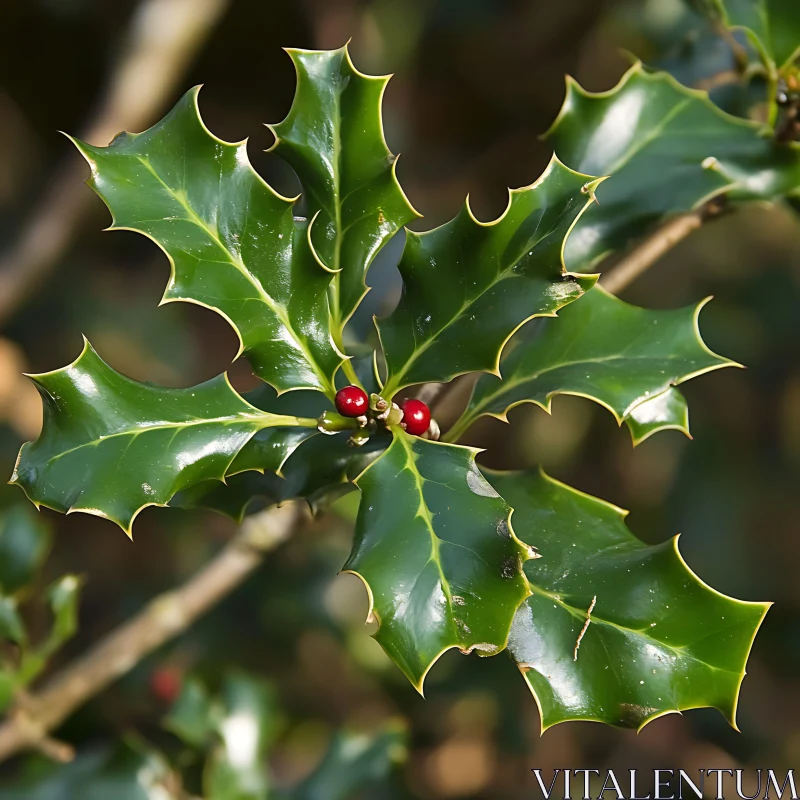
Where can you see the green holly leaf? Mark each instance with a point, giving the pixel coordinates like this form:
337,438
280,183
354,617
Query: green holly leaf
333,138
320,471
11,626
354,761
111,446
658,639
233,243
773,26
435,549
668,149
62,597
194,715
25,541
469,285
623,357
129,771
247,725
665,411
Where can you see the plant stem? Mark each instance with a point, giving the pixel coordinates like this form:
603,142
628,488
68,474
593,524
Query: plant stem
276,420
347,367
460,427
641,258
163,619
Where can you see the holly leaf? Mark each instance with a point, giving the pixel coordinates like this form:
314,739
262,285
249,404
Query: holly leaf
665,411
111,446
247,726
233,243
333,138
25,540
320,471
468,285
129,771
668,149
623,357
658,639
772,26
62,597
435,549
354,761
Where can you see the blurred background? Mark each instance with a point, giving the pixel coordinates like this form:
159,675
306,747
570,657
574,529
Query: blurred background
477,82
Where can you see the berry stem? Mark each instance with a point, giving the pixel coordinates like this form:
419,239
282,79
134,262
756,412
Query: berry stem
347,367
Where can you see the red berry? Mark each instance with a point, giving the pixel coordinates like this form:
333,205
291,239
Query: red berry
416,416
351,401
166,683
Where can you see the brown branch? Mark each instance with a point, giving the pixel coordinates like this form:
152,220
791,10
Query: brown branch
164,618
642,257
162,40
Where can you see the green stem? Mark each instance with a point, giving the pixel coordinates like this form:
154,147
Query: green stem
347,367
462,424
282,420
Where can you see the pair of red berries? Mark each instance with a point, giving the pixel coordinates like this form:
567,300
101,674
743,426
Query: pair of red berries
353,402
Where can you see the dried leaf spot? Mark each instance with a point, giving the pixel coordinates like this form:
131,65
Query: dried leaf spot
510,567
479,485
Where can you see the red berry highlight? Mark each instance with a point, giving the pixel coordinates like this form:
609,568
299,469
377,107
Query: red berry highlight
416,416
351,401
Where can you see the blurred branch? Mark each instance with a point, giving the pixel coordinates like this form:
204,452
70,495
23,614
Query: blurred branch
162,40
641,258
163,619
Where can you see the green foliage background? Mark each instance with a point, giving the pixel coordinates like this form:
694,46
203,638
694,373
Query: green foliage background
476,82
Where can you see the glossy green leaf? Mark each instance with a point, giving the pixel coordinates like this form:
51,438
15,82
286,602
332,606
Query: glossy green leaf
435,549
237,769
320,471
62,598
24,544
468,285
128,772
233,243
668,149
333,138
193,716
111,446
665,411
11,627
624,357
772,25
354,762
658,640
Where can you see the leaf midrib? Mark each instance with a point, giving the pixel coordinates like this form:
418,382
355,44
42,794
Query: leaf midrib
277,308
419,481
256,421
394,384
680,650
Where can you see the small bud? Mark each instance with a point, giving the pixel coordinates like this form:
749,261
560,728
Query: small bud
362,421
434,432
330,422
359,438
394,416
377,403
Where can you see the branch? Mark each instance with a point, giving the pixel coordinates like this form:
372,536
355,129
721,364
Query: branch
656,245
163,38
163,619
